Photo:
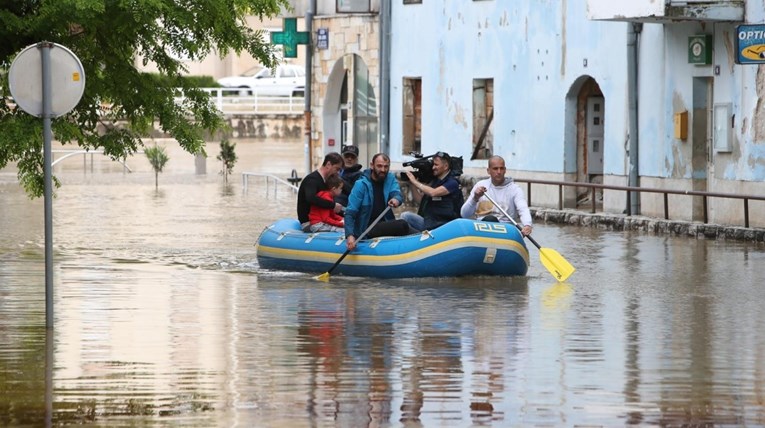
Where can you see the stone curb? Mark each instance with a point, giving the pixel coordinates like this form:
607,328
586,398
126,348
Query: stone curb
620,222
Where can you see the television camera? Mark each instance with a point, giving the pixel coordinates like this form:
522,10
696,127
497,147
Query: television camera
423,167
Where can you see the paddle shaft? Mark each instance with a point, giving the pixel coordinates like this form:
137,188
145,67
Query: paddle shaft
558,266
363,234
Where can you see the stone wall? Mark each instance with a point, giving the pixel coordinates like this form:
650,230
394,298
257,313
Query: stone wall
656,226
266,126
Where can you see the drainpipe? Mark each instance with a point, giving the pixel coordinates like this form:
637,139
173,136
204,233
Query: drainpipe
633,37
385,24
308,80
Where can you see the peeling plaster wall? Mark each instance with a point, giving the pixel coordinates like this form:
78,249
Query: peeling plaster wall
745,89
537,53
666,88
603,45
534,50
605,9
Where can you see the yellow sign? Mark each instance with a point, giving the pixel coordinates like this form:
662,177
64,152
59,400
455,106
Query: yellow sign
754,52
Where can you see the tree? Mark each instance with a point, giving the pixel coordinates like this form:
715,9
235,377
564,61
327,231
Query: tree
228,156
109,37
158,158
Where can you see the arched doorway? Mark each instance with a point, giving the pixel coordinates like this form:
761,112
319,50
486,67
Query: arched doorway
586,119
350,109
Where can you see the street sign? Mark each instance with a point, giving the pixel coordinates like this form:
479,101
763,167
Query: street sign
67,80
322,38
47,80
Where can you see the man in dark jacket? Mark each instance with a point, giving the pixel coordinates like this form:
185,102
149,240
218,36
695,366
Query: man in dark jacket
312,184
350,172
440,200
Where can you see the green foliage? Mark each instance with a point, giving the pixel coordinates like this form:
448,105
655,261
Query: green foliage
110,38
198,81
158,158
228,156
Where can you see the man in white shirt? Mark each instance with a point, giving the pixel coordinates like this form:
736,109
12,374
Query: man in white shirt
504,192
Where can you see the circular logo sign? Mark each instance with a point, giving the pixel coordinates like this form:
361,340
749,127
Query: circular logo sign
67,79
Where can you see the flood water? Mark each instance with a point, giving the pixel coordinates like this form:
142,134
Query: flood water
162,317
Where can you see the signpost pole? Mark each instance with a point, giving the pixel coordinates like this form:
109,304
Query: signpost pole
308,87
48,192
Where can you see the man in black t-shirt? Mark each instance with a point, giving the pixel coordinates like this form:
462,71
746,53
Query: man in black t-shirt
312,184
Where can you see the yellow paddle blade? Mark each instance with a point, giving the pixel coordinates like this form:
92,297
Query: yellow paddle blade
323,277
559,267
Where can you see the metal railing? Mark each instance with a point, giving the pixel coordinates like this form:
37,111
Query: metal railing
268,179
629,190
231,101
85,153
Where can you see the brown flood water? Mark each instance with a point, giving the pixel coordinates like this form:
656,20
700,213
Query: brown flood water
162,317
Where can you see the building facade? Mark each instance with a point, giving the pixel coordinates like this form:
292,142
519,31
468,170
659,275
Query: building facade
345,77
641,93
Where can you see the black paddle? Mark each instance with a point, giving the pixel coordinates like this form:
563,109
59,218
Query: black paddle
325,276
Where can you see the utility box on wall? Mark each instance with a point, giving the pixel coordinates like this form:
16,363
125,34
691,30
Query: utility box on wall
700,49
681,125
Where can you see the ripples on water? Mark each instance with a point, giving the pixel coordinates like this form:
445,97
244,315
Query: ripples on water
162,317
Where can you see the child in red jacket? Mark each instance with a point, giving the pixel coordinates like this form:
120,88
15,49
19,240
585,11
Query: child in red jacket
326,219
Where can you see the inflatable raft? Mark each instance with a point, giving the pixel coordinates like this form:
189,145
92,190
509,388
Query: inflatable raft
458,248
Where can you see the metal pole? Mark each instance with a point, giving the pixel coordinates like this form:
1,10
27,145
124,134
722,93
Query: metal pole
308,80
49,378
385,13
633,36
48,192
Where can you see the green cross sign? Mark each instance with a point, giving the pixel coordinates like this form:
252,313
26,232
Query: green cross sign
290,38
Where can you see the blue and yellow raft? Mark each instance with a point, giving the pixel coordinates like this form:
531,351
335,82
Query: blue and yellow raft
458,248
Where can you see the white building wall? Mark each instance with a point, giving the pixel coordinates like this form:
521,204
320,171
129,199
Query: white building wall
533,50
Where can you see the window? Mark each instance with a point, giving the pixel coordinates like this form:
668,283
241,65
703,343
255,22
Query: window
412,95
412,1
483,115
351,6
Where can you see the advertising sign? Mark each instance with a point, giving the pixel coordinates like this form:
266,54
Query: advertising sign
750,44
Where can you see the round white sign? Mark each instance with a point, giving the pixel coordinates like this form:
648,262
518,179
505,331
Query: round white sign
67,80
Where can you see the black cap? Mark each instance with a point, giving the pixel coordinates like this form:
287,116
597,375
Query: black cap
352,150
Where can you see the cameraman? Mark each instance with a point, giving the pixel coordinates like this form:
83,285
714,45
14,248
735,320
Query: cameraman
440,200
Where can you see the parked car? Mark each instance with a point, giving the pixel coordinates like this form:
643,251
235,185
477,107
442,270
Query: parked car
286,80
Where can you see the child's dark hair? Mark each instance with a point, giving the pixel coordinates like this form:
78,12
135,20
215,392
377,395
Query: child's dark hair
334,181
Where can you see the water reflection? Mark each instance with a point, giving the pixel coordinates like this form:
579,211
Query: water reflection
163,317
399,351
